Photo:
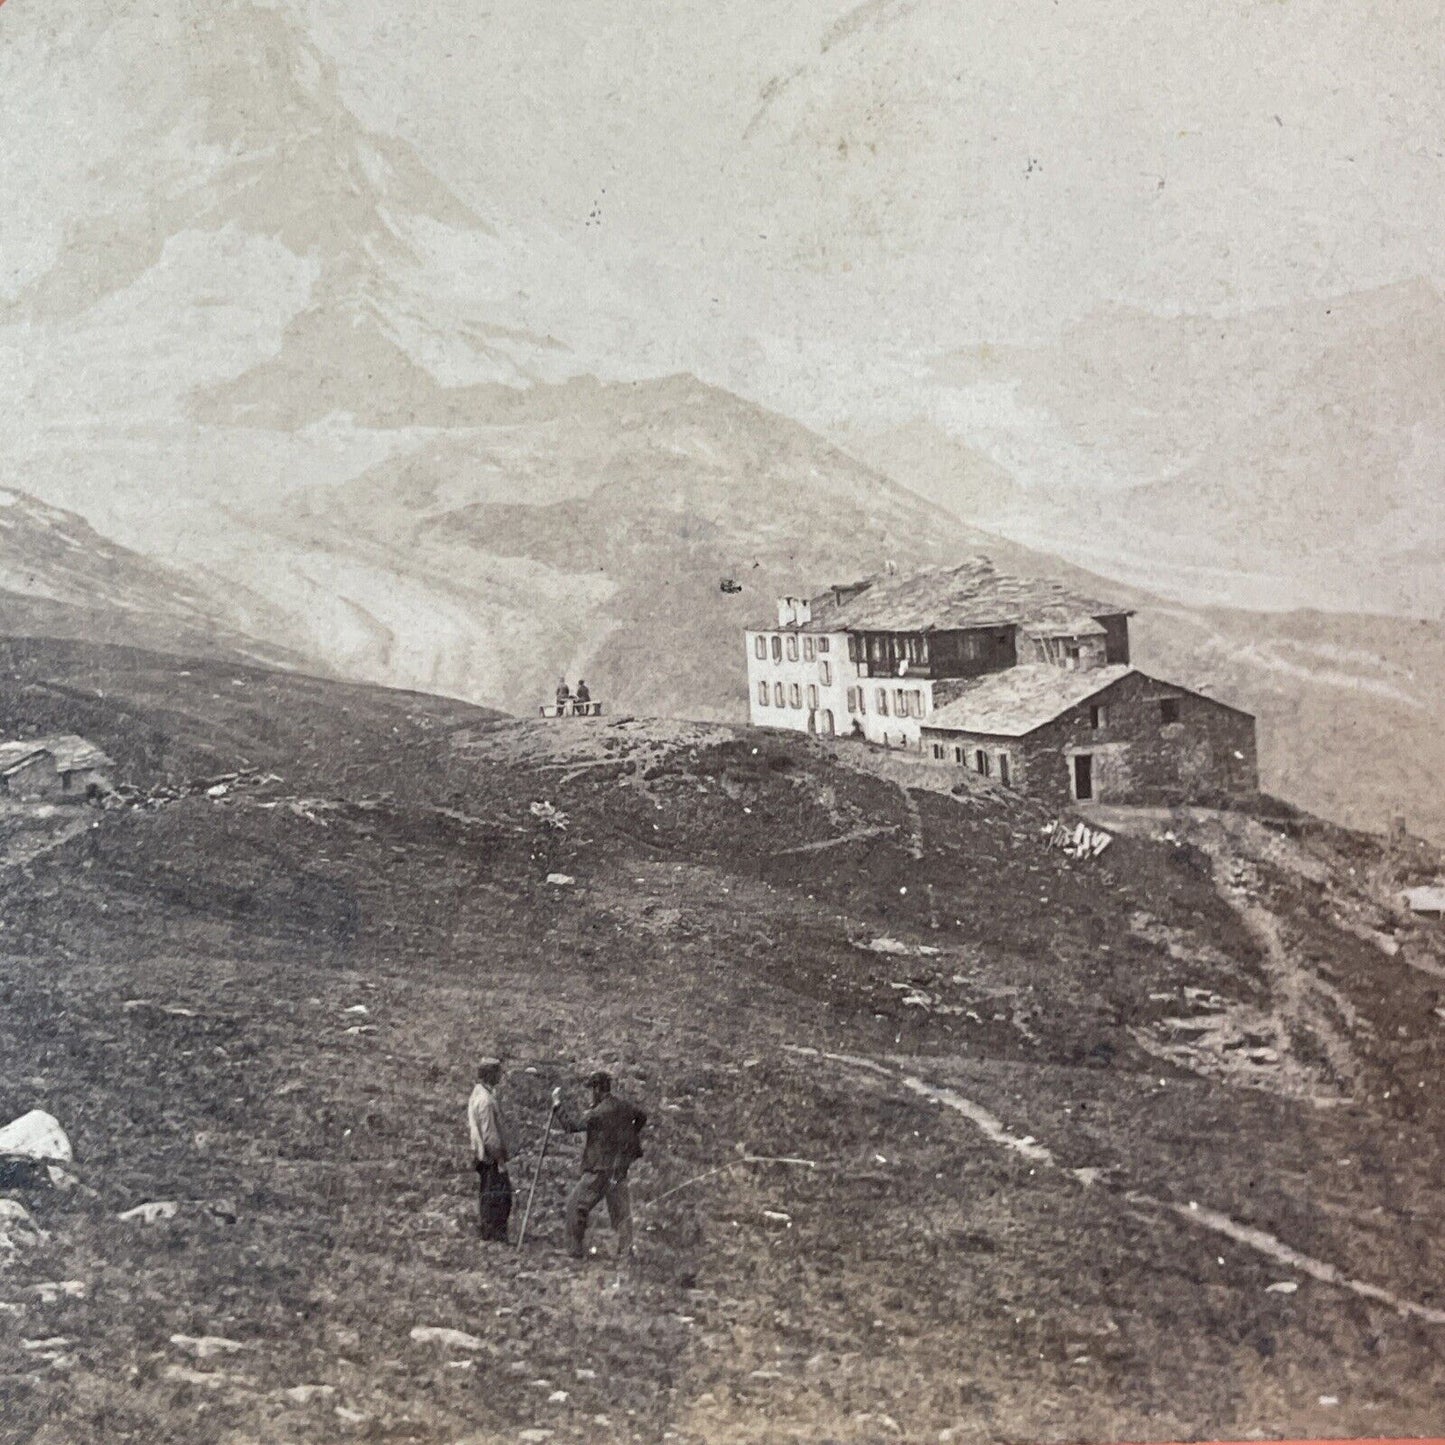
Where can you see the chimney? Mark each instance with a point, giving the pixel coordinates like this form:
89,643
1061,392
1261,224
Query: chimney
794,611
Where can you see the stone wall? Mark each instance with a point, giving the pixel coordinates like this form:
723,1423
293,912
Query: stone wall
1207,754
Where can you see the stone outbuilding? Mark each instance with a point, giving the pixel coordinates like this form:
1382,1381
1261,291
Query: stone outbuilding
58,769
1108,734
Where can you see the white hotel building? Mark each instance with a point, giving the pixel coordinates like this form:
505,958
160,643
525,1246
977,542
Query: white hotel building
877,658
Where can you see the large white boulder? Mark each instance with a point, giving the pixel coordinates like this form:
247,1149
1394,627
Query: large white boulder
36,1135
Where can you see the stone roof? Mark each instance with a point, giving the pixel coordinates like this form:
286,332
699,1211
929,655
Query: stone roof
71,753
1014,702
941,599
1065,626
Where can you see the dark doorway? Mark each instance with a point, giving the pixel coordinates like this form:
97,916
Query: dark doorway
1084,776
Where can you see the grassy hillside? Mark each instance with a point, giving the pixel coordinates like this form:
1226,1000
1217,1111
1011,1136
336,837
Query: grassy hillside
951,1133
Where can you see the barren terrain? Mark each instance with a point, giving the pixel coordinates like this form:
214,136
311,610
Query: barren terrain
954,1136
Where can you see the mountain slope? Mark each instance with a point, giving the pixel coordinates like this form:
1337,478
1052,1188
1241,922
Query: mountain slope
60,578
944,1126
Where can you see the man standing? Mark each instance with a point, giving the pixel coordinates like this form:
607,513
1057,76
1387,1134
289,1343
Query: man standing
489,1145
614,1129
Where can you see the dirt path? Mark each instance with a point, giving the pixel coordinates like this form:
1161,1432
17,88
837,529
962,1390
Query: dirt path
1041,1156
856,836
915,822
1304,1000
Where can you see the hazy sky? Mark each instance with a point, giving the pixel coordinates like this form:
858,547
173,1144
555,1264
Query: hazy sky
860,215
832,188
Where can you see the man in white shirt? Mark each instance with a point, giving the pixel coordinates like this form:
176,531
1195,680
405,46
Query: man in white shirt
489,1146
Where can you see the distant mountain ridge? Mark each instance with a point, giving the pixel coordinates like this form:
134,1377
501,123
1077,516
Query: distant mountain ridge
272,348
60,578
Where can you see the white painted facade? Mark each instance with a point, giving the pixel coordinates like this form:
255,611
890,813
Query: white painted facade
806,682
894,709
799,680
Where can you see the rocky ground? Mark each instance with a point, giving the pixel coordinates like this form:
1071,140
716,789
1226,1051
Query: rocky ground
955,1136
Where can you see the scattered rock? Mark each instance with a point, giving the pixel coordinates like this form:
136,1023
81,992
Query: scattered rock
58,1342
534,1435
38,1136
778,1217
1329,1401
557,1397
439,1335
356,1008
560,880
52,1290
152,1212
897,946
204,1346
18,1229
306,1394
1283,1286
352,1417
206,1379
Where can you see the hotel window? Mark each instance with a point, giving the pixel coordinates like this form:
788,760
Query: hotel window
881,698
900,699
777,649
760,647
792,647
823,644
762,694
808,649
795,695
938,751
980,762
812,696
915,698
1098,716
1003,769
852,648
825,671
959,756
777,694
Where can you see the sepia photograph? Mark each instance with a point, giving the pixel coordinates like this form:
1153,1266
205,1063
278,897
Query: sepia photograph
722,723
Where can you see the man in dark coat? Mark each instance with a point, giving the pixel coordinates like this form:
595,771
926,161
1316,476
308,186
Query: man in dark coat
489,1146
614,1143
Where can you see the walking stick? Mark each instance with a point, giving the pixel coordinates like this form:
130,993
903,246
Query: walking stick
531,1193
